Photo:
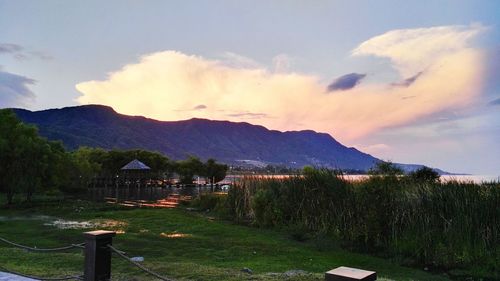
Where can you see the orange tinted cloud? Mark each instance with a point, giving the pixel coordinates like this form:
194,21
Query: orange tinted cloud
168,85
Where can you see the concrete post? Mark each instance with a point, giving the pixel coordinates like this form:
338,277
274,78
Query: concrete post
98,255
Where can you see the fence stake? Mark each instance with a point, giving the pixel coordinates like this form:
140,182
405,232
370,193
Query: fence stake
98,255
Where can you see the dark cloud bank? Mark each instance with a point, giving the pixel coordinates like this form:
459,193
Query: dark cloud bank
20,53
14,89
407,82
8,48
346,82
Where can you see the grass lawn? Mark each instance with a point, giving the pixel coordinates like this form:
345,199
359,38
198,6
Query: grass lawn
202,249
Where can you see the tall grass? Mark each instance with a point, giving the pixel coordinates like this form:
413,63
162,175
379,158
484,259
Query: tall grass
446,225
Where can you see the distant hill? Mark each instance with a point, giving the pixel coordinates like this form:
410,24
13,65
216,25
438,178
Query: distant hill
229,142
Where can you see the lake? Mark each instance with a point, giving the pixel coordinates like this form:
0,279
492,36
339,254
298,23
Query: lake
445,178
151,194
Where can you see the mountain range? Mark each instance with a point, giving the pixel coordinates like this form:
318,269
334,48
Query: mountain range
235,143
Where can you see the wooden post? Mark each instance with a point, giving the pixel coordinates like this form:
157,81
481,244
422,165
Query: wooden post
350,274
98,255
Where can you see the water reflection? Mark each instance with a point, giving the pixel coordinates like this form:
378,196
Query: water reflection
96,223
175,235
152,196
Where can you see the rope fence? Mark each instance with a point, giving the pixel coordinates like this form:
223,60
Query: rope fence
122,255
34,249
97,250
71,277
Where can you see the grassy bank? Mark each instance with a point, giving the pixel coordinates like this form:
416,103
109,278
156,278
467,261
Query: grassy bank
452,226
207,249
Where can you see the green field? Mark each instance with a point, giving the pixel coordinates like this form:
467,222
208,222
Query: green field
207,249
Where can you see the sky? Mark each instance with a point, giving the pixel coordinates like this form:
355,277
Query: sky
406,81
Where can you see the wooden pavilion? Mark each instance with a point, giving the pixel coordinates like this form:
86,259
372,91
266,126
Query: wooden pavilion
135,172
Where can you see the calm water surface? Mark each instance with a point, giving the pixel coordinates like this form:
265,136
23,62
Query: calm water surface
445,178
158,193
465,178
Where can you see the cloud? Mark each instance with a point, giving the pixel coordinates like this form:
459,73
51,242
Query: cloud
411,50
408,97
408,81
9,48
346,82
495,102
282,63
374,149
160,83
493,71
446,140
14,90
248,115
20,53
41,55
200,107
238,61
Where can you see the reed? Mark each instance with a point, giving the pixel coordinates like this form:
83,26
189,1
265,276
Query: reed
444,225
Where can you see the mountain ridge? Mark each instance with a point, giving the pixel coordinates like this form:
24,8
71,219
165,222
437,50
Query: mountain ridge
229,142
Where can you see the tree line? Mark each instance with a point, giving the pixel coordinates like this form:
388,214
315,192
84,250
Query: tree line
30,163
97,162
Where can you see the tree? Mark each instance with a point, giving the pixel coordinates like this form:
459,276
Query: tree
215,172
33,156
29,162
188,168
424,175
308,170
8,123
81,165
24,157
159,164
386,169
112,161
